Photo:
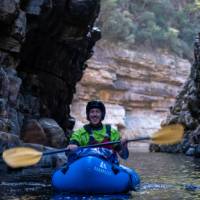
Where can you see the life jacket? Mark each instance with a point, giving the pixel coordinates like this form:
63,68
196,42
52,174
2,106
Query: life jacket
92,140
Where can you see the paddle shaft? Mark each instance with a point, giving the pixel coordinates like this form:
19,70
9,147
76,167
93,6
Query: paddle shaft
96,145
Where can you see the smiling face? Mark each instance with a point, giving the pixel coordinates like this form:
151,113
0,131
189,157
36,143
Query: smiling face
95,116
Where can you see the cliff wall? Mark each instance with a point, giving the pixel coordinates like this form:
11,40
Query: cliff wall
138,87
43,48
186,110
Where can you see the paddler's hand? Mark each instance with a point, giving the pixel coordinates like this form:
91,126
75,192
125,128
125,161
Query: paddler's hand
72,147
124,152
124,142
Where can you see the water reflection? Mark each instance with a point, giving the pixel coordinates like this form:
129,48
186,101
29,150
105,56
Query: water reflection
196,165
91,197
164,176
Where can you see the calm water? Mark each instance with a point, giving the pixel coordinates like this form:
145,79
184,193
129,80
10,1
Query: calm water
164,176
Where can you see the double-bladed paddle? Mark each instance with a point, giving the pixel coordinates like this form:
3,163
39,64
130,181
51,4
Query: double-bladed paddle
26,156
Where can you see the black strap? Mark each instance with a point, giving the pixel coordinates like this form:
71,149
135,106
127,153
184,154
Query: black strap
108,130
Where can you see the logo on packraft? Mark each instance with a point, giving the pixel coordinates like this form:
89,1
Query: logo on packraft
103,169
103,165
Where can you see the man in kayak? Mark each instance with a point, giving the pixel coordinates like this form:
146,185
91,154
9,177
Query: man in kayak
96,132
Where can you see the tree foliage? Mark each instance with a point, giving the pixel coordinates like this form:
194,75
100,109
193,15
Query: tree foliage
166,24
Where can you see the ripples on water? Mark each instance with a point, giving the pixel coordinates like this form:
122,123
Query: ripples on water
164,176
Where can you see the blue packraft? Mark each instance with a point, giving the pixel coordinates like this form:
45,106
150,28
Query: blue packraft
94,171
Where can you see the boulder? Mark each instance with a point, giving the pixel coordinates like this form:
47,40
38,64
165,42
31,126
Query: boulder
54,133
32,132
8,140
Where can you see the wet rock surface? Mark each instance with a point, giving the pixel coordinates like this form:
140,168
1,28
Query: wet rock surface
186,111
43,49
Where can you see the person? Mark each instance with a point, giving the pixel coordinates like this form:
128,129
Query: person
96,132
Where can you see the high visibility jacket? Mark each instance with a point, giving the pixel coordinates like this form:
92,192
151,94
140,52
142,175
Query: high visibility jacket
86,136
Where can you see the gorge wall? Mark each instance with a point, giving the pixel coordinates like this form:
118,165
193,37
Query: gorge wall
44,45
43,48
138,88
186,111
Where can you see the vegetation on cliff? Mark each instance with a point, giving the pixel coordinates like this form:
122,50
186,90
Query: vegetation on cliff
164,24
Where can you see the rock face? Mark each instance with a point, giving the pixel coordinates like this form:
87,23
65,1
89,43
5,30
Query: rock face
137,87
43,48
186,111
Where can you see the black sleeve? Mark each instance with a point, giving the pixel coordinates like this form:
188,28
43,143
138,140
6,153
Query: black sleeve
122,151
118,147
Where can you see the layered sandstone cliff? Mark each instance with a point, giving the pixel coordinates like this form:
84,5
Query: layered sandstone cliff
138,88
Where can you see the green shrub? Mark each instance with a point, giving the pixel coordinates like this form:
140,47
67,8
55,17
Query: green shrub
169,24
118,27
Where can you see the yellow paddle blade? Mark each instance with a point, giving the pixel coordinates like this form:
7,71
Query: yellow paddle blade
169,134
21,157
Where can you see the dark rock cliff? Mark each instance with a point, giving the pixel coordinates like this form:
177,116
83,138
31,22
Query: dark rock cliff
186,111
43,48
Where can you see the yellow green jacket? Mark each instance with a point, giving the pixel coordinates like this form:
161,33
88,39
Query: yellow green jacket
82,137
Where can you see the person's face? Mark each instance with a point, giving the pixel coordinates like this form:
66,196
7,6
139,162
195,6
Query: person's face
95,116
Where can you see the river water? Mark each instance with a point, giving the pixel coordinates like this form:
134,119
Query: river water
163,176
